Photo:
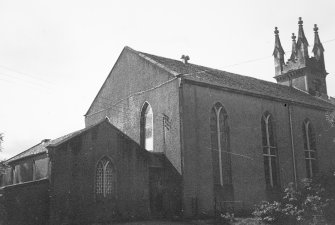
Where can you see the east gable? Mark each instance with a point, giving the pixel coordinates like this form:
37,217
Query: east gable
130,75
75,167
134,80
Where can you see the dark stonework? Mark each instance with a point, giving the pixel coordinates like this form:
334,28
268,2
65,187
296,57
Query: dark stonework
180,176
301,71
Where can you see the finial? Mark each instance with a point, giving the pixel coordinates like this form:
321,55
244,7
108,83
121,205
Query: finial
185,58
300,21
316,28
293,37
276,31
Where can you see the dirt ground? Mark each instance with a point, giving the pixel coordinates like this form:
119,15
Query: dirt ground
238,221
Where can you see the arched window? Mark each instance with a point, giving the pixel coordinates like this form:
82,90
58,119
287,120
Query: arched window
269,152
105,178
221,157
147,127
309,148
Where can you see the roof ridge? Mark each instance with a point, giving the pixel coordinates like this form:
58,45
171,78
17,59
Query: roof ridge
248,84
148,58
206,67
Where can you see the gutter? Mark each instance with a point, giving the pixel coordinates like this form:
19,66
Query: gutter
257,95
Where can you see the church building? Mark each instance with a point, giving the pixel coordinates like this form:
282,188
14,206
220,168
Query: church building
166,138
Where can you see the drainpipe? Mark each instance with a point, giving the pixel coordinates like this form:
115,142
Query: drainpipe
181,133
292,146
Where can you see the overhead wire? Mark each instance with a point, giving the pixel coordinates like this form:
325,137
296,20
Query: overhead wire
120,109
134,94
37,78
14,79
265,57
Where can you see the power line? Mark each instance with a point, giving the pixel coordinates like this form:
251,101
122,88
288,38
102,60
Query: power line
133,94
329,40
25,82
119,109
265,57
9,81
25,74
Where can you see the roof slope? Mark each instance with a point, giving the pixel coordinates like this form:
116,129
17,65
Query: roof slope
41,147
237,82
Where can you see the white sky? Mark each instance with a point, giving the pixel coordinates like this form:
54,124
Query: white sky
55,55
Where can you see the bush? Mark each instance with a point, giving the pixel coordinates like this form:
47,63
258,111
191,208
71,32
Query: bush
311,203
3,215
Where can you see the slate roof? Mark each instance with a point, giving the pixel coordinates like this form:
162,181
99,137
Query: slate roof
210,76
41,147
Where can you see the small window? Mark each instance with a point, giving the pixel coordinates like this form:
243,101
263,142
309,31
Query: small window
147,126
309,148
105,179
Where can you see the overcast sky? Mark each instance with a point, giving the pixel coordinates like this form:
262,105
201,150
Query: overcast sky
55,55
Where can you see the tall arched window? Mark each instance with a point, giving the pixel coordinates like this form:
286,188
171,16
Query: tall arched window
309,148
105,179
269,152
221,157
147,127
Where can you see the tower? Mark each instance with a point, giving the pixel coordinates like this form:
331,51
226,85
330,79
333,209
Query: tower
301,71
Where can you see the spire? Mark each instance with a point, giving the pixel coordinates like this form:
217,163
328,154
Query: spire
278,54
278,48
302,44
301,35
317,43
294,49
318,49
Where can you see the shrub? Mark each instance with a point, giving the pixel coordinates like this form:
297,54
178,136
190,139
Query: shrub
310,203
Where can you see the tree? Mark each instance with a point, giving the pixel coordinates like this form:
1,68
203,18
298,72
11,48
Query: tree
1,140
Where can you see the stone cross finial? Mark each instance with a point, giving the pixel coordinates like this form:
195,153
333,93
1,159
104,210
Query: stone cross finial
185,58
300,21
276,31
293,37
315,28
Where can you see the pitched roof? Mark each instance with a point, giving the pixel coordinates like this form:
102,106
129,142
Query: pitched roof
41,147
75,134
245,84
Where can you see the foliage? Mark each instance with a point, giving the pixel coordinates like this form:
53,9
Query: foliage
227,218
310,203
1,140
3,215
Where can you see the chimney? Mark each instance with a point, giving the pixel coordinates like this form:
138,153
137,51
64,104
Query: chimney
44,141
185,58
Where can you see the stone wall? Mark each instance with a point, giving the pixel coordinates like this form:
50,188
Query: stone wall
73,199
27,203
244,118
130,84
